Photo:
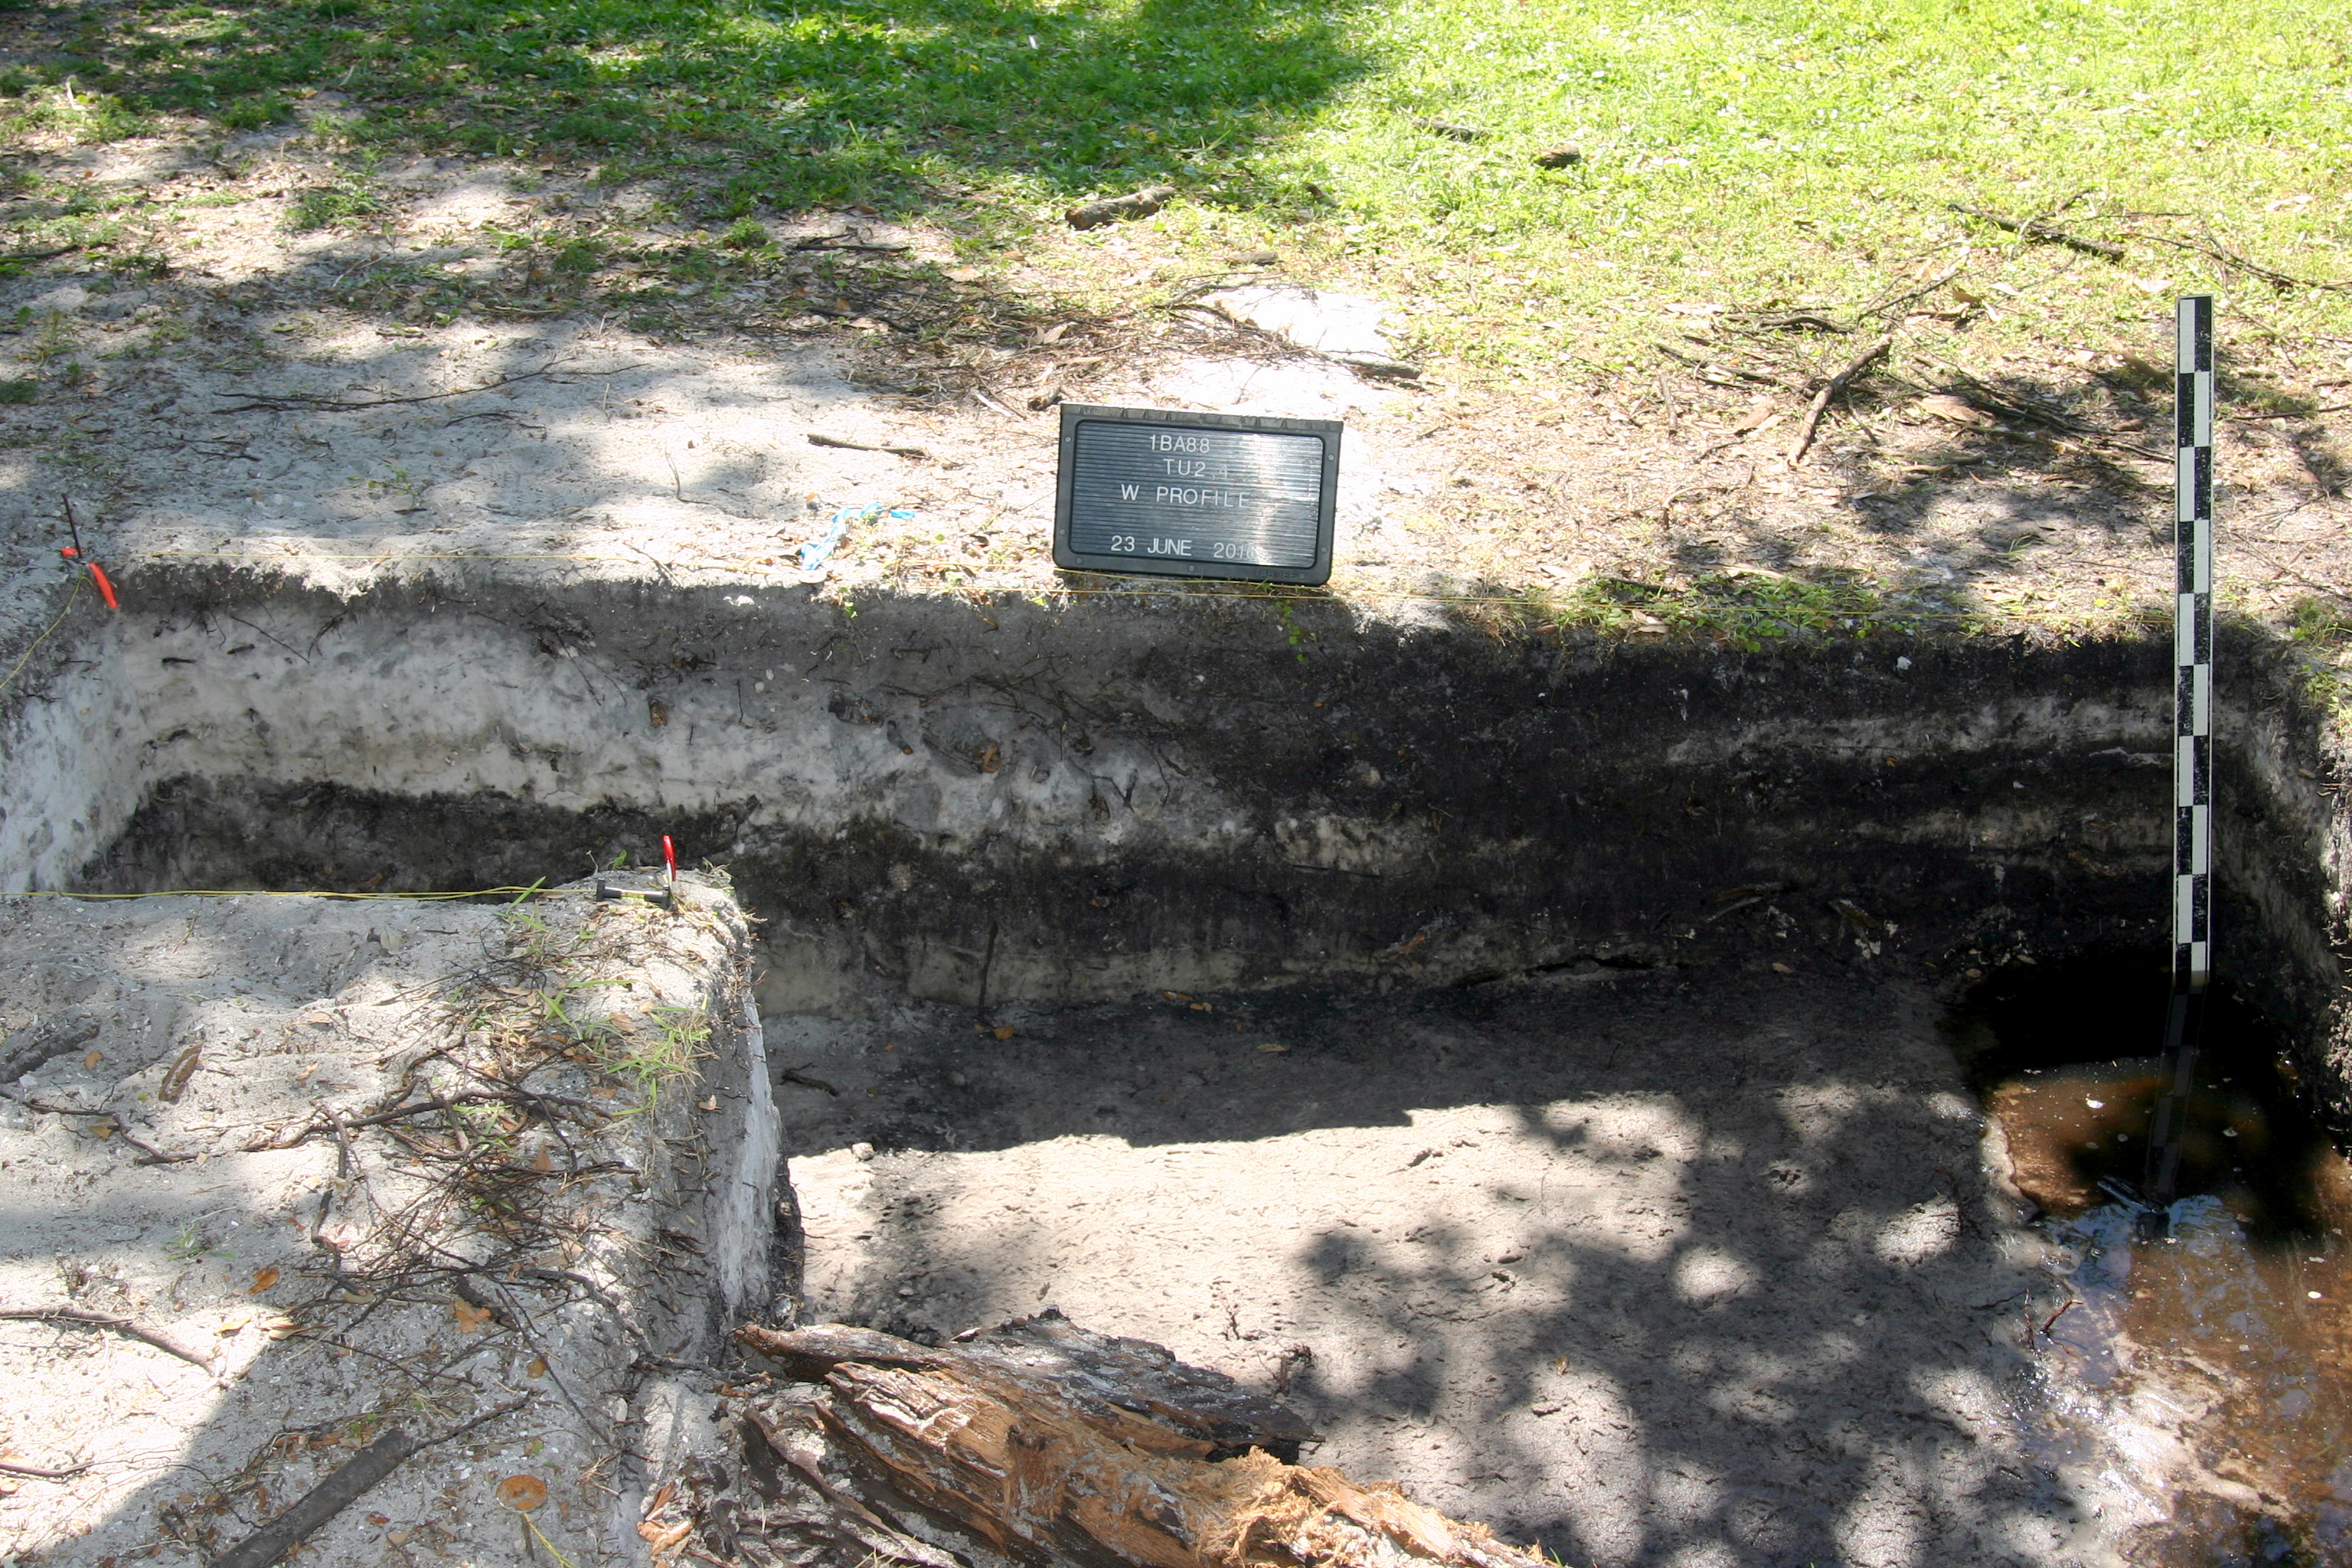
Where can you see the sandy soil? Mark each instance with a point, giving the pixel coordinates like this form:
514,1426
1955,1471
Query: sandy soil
325,1289
1694,1268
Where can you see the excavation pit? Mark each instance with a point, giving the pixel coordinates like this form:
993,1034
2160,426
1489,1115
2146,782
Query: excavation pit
1527,1057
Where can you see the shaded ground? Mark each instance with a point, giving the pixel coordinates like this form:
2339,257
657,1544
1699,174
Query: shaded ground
1688,1268
185,377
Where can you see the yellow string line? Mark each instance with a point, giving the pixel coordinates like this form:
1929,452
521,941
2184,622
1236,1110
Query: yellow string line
556,1552
281,893
45,634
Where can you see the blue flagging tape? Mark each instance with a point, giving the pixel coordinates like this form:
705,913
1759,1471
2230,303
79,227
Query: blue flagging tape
816,551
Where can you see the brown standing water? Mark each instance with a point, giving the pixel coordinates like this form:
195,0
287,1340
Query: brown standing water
2202,1375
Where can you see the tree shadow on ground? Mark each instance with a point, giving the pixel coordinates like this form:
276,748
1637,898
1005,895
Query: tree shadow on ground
777,104
1682,1270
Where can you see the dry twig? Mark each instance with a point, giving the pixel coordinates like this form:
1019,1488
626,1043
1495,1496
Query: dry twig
2206,245
1830,389
288,402
2034,228
126,1327
343,1487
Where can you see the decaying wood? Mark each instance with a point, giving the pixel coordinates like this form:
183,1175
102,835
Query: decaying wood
1041,1444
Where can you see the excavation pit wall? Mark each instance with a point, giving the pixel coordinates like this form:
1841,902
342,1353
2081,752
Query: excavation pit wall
976,803
1628,915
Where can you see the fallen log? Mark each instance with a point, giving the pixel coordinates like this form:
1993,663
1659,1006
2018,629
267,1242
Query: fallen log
1043,1445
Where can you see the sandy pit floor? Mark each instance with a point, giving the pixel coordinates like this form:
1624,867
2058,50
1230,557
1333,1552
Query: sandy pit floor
1690,1268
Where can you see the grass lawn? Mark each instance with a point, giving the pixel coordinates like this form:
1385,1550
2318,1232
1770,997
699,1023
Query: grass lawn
1750,155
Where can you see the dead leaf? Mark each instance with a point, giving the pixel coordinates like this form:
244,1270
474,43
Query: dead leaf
990,759
399,1537
90,1063
104,1129
655,712
470,1317
522,1493
232,1323
664,1538
536,1367
1002,1031
1782,968
668,1491
1271,1048
263,1278
1177,995
304,1076
175,1079
542,1163
710,1104
1953,410
2154,285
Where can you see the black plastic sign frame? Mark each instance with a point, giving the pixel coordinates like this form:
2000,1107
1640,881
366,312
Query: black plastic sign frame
1173,494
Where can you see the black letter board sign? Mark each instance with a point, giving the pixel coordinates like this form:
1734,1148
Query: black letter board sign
1196,495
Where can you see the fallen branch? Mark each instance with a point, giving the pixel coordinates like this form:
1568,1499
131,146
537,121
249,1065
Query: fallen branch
2206,245
286,403
1894,306
795,1075
819,439
149,1154
343,1487
123,1326
10,1468
1830,389
2034,228
845,242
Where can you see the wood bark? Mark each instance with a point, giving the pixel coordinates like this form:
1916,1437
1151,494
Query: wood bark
1040,1445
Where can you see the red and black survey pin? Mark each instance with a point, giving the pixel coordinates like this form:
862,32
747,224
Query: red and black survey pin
74,552
664,897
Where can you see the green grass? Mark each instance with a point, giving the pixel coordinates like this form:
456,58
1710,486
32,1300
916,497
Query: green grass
1743,153
347,197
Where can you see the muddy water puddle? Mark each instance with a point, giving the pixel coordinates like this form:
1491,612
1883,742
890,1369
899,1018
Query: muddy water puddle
2197,1372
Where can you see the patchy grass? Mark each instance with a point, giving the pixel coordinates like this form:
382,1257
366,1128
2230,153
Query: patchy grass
346,198
1754,154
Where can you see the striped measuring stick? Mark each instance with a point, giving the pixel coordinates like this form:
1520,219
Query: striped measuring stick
2192,729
